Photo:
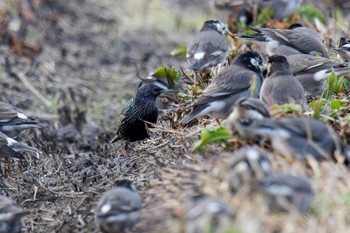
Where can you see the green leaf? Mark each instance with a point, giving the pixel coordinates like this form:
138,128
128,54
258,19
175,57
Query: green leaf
329,89
317,107
265,15
212,134
310,13
184,96
169,73
180,50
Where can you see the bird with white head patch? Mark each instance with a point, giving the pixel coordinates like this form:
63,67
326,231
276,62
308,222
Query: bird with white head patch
210,48
118,209
243,78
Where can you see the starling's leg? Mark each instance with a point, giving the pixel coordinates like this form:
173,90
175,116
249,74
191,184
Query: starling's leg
125,151
218,121
8,160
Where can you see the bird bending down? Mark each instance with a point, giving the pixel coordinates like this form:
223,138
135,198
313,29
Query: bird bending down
118,209
243,78
140,109
210,48
295,39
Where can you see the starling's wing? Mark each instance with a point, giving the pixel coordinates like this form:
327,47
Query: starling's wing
123,120
209,51
307,41
229,82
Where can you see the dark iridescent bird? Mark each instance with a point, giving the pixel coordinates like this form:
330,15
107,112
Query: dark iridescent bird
344,49
243,78
207,214
297,137
13,120
312,71
11,216
280,86
248,166
296,39
210,48
118,210
140,109
283,191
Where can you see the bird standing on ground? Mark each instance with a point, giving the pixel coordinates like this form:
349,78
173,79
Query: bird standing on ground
284,190
297,137
280,86
118,209
312,71
140,109
210,48
10,216
243,78
12,119
207,214
295,39
344,49
248,166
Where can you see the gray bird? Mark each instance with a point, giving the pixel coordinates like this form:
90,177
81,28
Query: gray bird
243,78
344,49
283,191
207,214
312,72
297,137
248,166
210,48
11,216
12,119
296,37
118,209
142,107
282,8
280,86
246,108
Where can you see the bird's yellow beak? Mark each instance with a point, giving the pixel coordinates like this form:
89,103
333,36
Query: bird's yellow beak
230,34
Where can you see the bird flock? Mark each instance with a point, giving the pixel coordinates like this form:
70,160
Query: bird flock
294,65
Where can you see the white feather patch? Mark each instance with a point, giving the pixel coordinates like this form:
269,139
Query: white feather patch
10,141
199,55
280,190
216,53
252,154
321,75
346,46
106,208
22,116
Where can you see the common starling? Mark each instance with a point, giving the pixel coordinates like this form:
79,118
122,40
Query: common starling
13,120
10,216
285,190
297,37
297,137
248,166
280,86
312,72
243,78
210,48
207,214
118,209
140,109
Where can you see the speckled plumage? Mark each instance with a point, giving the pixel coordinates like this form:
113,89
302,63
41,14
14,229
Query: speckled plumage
131,125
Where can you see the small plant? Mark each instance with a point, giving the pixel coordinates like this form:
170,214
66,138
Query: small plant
180,51
170,74
212,134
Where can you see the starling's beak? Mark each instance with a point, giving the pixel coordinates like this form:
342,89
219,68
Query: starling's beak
230,34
